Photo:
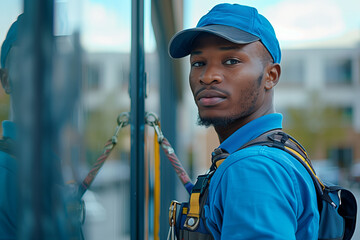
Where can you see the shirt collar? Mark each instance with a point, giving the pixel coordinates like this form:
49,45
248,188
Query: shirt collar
9,129
251,130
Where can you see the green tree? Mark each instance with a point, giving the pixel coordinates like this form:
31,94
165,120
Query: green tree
317,126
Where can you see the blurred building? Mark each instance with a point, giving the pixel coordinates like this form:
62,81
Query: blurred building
325,85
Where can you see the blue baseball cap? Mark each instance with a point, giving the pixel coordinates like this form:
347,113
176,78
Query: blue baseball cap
10,40
236,23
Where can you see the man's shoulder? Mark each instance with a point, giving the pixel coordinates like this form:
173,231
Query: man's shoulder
259,155
262,163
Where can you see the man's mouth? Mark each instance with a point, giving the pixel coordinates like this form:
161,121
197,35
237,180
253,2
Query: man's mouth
210,101
208,98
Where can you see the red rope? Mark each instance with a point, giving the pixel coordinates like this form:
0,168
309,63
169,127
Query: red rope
109,145
179,169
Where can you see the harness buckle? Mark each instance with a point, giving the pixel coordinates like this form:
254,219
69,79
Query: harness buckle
191,223
278,139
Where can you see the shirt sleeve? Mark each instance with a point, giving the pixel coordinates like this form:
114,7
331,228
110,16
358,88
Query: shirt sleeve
255,199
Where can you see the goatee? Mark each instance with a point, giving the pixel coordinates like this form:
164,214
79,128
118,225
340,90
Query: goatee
216,122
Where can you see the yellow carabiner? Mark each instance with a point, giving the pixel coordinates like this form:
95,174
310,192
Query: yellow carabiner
172,212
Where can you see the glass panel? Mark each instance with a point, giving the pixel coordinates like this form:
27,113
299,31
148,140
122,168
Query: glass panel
9,11
105,34
89,86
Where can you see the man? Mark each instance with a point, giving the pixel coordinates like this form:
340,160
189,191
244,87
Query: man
8,167
258,192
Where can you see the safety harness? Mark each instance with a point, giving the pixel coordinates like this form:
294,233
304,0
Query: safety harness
337,206
7,145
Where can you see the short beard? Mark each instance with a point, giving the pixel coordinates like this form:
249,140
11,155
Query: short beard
216,122
225,121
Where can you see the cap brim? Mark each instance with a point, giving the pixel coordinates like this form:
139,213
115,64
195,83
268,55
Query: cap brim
181,43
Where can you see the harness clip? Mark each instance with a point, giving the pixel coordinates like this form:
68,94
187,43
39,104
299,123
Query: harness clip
153,120
122,121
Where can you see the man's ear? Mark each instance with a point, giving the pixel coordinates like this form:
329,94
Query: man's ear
273,72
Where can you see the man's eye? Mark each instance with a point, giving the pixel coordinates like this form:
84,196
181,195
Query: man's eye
231,61
197,64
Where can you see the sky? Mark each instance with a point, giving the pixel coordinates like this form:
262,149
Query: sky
105,24
298,23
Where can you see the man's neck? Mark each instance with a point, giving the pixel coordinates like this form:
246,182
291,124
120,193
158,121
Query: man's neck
224,132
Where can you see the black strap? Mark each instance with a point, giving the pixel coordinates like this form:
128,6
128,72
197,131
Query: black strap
279,139
217,155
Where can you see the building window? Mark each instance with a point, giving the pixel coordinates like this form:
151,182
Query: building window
338,71
292,71
341,157
92,76
346,114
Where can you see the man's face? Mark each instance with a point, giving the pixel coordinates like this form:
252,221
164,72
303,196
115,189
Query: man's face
226,80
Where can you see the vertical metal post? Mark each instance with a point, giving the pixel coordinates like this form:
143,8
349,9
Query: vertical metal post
41,213
137,95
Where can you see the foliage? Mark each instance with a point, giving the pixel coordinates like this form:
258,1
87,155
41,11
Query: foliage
4,106
317,126
100,124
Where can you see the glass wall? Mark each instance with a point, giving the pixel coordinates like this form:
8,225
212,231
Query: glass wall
80,82
81,105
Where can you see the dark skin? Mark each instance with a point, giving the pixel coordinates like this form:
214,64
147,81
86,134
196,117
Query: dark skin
232,83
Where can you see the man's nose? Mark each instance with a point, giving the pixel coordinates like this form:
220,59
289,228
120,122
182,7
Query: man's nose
211,75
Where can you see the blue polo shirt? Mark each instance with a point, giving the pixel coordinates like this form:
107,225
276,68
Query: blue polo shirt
8,188
261,192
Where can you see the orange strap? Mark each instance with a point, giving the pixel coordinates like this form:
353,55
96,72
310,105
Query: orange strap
157,187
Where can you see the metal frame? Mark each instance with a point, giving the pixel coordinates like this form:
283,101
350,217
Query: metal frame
38,171
39,200
137,118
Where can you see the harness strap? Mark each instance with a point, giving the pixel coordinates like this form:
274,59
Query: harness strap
194,205
219,162
217,157
279,139
193,215
202,183
7,146
157,187
274,138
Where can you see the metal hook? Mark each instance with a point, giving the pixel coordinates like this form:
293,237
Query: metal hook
151,119
155,123
122,121
123,118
